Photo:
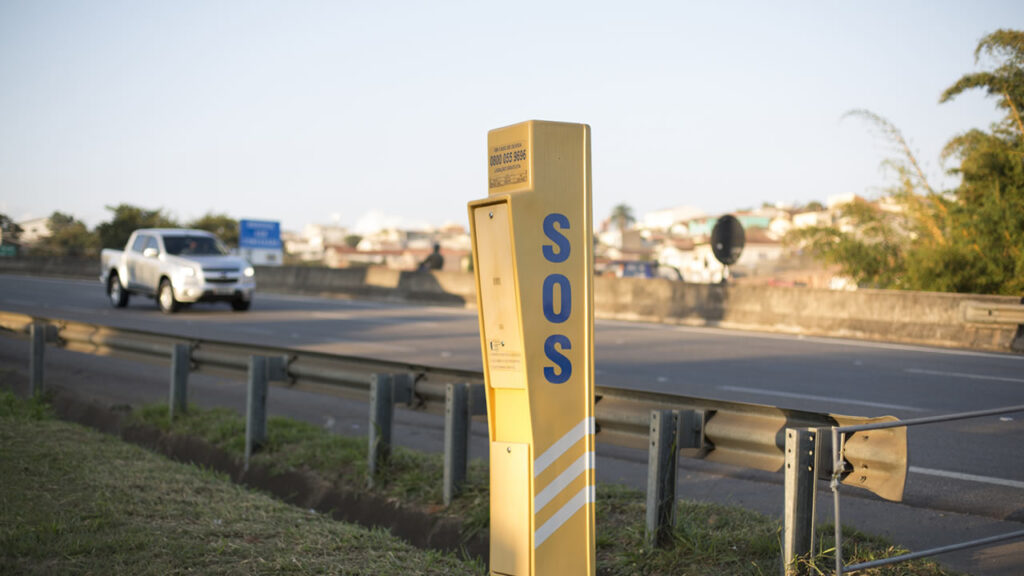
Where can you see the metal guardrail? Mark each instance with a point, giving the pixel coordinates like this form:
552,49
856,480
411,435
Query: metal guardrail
989,313
737,433
840,442
665,425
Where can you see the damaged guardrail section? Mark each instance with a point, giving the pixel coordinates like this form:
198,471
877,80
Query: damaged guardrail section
845,436
665,425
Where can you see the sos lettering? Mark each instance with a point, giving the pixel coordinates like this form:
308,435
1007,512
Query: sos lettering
557,299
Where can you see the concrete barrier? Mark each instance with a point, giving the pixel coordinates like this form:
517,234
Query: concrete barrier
68,268
455,288
929,318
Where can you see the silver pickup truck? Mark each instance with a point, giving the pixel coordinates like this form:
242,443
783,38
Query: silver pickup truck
176,267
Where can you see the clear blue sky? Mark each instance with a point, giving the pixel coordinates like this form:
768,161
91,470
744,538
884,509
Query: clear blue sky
315,112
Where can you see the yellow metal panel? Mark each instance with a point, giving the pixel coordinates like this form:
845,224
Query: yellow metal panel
498,303
509,416
510,510
539,199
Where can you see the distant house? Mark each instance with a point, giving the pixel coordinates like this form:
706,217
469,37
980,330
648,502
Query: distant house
667,218
813,219
34,230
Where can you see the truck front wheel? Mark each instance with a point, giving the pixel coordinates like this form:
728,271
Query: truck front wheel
165,297
116,292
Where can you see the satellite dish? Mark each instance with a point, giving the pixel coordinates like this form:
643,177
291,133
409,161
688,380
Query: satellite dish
727,239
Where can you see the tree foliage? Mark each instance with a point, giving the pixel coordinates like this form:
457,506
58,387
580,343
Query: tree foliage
69,238
622,216
224,226
968,239
9,229
126,219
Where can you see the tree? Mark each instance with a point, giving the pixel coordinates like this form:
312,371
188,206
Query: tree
622,215
968,239
69,238
9,229
127,219
224,226
988,237
353,240
873,254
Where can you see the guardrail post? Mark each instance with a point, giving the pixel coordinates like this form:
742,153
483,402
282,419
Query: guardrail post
691,429
456,439
37,331
800,478
382,409
662,462
180,359
256,407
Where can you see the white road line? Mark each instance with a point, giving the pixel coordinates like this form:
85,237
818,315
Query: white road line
831,399
968,477
76,309
17,302
963,375
43,280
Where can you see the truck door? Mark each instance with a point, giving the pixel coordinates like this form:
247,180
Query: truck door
133,258
149,264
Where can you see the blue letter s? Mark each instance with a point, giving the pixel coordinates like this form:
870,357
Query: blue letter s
558,358
557,237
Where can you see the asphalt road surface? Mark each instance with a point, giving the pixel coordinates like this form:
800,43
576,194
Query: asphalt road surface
974,467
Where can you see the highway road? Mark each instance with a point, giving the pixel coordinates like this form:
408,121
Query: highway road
973,466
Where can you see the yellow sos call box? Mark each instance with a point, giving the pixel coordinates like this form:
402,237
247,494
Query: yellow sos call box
533,259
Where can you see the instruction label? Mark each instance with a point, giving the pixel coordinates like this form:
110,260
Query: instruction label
508,164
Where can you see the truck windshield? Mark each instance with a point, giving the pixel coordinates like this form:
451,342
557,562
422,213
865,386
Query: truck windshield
194,246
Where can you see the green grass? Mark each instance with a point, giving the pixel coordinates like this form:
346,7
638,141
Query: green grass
410,477
709,539
74,501
716,540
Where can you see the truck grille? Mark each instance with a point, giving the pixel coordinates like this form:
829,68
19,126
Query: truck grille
221,275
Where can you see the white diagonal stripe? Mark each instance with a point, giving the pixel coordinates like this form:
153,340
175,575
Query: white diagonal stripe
962,375
581,465
586,426
564,513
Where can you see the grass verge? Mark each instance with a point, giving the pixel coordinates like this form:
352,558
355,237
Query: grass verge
709,540
74,501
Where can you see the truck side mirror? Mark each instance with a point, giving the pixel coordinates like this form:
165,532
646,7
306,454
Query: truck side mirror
150,252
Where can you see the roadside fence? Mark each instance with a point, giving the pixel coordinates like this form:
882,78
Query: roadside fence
666,426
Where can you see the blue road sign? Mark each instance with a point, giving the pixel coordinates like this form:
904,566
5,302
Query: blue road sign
259,234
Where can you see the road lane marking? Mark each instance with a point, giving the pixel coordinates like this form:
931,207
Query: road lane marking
963,375
967,477
18,302
95,282
821,398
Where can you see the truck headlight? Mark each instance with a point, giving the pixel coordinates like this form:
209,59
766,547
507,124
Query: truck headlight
188,272
249,272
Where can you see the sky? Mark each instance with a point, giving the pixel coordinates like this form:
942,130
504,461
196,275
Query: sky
362,113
